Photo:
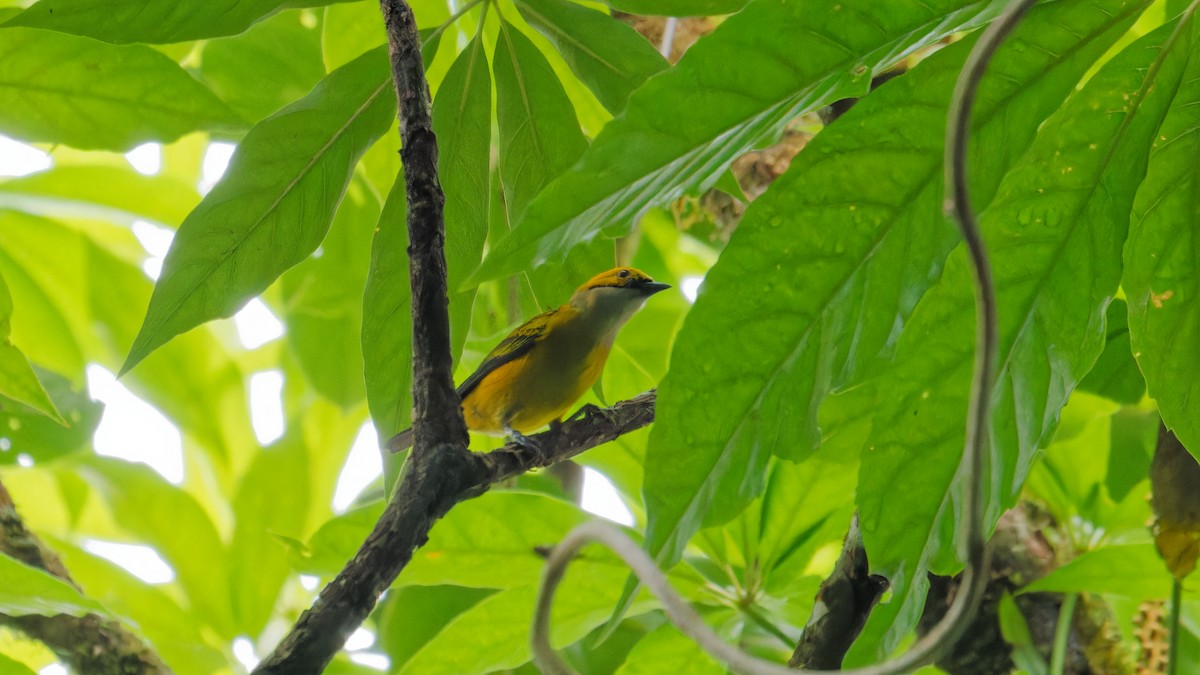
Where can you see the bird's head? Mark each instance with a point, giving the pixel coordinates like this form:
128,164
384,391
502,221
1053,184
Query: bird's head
614,296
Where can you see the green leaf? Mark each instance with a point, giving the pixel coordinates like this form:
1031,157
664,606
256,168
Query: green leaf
834,256
177,635
1162,271
58,88
100,192
156,513
322,300
387,320
539,136
1070,192
32,433
497,628
1116,375
677,7
1131,570
608,55
13,667
266,67
17,379
412,615
348,30
274,205
337,540
154,21
272,498
28,590
689,123
667,645
462,121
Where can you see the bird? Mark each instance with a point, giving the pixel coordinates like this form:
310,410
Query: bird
546,364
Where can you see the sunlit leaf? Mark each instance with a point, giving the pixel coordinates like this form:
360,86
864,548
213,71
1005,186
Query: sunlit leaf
274,204
61,88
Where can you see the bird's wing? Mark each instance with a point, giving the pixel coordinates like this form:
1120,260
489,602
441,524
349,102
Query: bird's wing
517,344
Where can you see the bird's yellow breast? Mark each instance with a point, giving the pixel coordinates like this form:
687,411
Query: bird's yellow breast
529,392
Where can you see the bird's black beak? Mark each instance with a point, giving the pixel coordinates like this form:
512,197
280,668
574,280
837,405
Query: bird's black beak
652,287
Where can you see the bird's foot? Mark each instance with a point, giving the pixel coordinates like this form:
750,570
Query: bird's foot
591,410
526,443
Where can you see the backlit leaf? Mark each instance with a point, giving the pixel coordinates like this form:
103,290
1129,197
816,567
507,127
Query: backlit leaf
274,204
59,88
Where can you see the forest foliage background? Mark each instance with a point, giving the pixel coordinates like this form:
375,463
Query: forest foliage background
823,368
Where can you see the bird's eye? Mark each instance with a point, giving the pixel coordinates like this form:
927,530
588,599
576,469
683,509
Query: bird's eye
623,274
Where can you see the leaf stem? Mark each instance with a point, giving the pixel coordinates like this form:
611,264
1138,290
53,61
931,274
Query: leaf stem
1062,633
1173,625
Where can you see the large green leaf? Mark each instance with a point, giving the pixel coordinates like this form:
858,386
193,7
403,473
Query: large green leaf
1162,273
17,379
268,66
153,21
274,204
170,520
60,88
322,300
609,56
28,590
462,120
1054,232
690,122
831,260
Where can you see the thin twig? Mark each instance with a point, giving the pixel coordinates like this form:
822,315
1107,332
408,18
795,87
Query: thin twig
974,579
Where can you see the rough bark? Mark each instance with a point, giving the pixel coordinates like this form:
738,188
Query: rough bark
844,603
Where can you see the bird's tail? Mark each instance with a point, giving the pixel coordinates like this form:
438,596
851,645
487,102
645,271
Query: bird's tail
401,441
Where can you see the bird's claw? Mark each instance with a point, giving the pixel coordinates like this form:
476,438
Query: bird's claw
591,410
526,443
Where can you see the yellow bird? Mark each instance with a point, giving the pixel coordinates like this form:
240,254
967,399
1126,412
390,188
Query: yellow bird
538,372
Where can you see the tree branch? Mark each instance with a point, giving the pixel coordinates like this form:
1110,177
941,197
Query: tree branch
89,643
843,605
431,487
